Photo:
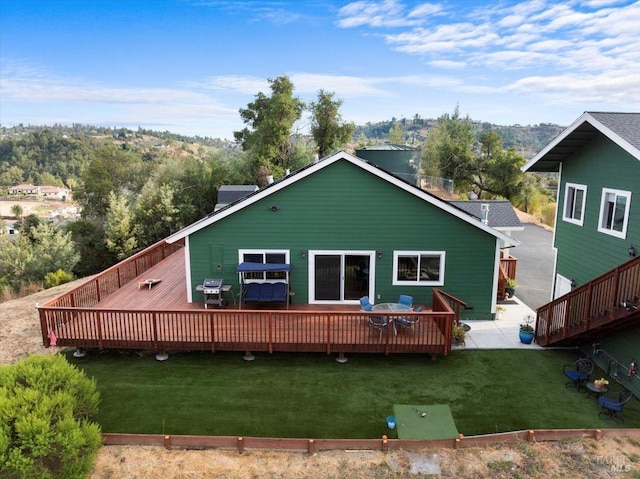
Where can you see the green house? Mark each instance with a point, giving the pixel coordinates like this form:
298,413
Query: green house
348,229
598,213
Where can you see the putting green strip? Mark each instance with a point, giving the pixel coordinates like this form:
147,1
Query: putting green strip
425,421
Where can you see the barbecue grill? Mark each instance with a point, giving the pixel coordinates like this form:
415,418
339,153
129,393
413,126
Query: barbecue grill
213,289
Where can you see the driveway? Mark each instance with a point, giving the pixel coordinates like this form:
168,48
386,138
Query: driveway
536,258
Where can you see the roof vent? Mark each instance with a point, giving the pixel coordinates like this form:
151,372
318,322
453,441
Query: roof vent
485,213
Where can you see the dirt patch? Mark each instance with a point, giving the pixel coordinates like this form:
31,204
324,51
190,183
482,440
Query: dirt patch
608,458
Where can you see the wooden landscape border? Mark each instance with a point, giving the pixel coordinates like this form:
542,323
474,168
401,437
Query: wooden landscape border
311,446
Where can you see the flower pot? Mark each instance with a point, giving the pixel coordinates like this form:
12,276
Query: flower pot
510,292
526,337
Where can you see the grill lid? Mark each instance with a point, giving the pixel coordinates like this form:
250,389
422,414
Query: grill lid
212,282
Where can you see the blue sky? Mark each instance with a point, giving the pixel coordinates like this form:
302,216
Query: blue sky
188,66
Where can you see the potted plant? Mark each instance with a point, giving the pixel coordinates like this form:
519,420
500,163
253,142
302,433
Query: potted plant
526,329
500,311
598,383
458,334
510,287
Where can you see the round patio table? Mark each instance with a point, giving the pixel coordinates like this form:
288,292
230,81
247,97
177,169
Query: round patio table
592,389
391,307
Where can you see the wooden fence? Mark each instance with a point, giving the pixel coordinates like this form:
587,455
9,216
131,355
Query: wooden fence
310,446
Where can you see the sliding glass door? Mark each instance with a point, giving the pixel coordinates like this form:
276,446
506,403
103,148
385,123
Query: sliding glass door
340,276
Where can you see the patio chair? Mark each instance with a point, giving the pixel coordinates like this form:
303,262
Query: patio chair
408,321
405,300
365,304
612,407
378,322
578,372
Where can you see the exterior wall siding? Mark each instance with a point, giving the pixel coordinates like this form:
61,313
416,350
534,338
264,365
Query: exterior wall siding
583,251
343,207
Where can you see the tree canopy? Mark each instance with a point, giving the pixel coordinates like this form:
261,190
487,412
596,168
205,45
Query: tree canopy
327,128
270,120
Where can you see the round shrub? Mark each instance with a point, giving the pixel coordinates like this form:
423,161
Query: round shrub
45,428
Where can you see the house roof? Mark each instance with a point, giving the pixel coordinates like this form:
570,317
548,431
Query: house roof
228,194
388,147
621,128
501,213
316,166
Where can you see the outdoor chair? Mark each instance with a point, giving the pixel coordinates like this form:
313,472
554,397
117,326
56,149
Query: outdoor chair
378,322
405,300
408,322
365,304
578,372
612,407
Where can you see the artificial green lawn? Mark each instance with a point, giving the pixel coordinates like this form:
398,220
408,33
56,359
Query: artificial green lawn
311,395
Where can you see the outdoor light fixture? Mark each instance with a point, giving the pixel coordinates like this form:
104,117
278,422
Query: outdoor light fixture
379,254
573,283
632,251
303,254
273,208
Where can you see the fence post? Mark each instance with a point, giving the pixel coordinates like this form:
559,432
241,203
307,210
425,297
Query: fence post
384,443
311,447
531,436
167,442
240,445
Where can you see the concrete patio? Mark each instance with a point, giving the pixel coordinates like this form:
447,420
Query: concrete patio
501,333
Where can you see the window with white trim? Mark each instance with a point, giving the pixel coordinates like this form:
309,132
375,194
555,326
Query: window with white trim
266,257
418,268
614,212
575,197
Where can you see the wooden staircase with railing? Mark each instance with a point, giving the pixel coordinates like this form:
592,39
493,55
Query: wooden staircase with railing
608,303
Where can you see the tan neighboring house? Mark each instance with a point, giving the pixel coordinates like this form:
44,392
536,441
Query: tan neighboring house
24,190
43,191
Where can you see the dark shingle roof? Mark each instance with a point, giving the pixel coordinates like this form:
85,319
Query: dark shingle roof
625,125
227,194
501,213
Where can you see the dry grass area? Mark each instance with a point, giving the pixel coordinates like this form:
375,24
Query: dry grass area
608,458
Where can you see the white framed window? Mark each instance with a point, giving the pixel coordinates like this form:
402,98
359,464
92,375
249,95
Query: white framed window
614,212
575,197
267,257
418,268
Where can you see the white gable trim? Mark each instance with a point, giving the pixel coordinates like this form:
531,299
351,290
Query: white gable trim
585,117
341,155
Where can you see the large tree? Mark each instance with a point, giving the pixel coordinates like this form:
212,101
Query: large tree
29,259
270,120
327,128
497,171
119,228
448,150
111,169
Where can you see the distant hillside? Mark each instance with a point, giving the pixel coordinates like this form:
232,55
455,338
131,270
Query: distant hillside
527,140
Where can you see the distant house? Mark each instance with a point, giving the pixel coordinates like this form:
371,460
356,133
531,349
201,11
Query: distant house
597,239
54,192
10,230
24,190
228,194
348,229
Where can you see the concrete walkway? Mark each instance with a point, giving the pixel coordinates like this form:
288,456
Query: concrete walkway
501,333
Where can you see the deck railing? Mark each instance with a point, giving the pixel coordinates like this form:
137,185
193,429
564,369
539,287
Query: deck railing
591,305
250,330
246,330
110,280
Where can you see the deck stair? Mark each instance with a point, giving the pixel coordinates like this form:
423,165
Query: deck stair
608,303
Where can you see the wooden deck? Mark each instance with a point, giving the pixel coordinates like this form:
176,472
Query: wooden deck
110,311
